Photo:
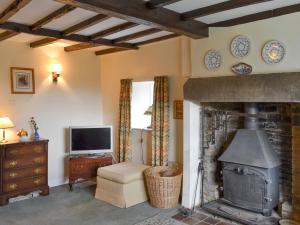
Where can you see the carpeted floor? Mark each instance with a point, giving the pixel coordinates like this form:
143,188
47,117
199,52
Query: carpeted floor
79,207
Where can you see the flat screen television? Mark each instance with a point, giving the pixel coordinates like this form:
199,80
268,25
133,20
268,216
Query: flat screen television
91,140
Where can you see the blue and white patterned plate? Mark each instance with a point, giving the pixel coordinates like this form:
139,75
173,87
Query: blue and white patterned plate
213,60
240,46
273,52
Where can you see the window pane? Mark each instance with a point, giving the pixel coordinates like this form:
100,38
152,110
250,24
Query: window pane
142,98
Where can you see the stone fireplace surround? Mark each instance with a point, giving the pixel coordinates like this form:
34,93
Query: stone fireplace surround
275,93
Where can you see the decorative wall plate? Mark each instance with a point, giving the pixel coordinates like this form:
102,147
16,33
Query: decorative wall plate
241,69
213,60
240,46
273,52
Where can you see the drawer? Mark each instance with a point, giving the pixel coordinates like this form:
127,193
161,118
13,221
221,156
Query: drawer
24,184
106,163
14,174
24,162
24,150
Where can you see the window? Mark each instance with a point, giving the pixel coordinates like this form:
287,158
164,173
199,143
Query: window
142,98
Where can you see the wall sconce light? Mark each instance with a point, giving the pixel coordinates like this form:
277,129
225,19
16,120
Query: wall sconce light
56,72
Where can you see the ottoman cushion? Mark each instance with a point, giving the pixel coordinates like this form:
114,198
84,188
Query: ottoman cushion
123,173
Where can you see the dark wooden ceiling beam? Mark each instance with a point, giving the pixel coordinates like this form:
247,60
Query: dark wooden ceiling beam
79,46
159,3
42,42
158,39
258,16
113,50
12,9
112,30
109,31
85,24
220,7
7,34
136,35
52,16
22,28
135,11
109,51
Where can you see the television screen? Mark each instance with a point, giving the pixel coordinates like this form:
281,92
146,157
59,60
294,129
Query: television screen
90,139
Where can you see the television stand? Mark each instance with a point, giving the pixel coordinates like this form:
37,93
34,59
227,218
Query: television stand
84,167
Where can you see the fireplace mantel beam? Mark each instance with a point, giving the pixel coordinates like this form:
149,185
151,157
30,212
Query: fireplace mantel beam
280,87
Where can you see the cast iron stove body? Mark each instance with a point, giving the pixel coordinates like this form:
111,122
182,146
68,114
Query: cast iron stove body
250,168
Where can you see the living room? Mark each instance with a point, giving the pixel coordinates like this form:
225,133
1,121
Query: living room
86,62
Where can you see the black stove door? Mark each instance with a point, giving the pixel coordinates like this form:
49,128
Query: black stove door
244,187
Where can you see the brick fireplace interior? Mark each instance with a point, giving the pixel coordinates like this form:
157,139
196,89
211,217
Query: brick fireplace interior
220,117
222,120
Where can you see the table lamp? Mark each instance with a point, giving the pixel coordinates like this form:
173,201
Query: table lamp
5,123
148,112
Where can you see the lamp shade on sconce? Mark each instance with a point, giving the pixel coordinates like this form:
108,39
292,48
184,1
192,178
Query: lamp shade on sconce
5,123
56,72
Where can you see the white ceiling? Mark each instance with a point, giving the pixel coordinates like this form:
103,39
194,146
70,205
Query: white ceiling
38,9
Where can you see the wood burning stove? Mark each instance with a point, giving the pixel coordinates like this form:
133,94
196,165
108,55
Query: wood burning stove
250,168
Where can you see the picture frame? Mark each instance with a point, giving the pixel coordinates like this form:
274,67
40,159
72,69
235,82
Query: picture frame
22,80
178,109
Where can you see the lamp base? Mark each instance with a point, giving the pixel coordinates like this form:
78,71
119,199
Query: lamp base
3,141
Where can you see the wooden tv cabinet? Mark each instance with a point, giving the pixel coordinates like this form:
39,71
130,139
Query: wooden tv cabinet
23,169
84,167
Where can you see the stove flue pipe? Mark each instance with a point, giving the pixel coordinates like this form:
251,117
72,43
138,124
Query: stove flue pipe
251,120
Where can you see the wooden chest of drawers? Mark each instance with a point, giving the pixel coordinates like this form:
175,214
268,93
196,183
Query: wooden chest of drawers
85,167
23,169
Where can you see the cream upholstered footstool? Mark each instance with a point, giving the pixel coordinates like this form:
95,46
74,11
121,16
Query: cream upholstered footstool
121,184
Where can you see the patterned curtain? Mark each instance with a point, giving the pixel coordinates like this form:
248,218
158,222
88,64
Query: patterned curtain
160,121
125,153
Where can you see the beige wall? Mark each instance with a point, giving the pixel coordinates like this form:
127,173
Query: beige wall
163,58
282,28
74,100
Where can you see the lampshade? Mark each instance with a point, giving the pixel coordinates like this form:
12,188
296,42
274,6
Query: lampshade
5,122
148,111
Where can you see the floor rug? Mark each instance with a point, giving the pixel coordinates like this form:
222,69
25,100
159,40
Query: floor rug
160,220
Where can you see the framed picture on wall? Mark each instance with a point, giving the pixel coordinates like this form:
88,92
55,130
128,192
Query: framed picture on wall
22,80
178,110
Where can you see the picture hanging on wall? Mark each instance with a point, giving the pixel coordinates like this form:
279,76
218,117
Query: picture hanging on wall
178,110
213,60
240,46
22,80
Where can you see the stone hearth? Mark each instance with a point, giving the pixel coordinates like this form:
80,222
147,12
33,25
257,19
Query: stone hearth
209,100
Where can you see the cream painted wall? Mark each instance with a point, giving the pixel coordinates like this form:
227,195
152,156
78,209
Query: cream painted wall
74,100
284,29
164,58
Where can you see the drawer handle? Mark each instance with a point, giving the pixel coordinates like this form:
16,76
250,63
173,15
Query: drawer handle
13,163
37,170
14,152
38,160
38,149
12,187
37,181
13,175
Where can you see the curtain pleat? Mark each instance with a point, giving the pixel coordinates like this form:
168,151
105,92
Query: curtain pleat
160,121
125,153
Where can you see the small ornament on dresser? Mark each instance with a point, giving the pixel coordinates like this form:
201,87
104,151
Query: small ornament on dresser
241,69
35,135
23,135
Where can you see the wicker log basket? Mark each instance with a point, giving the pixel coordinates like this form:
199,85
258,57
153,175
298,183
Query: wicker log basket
163,186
